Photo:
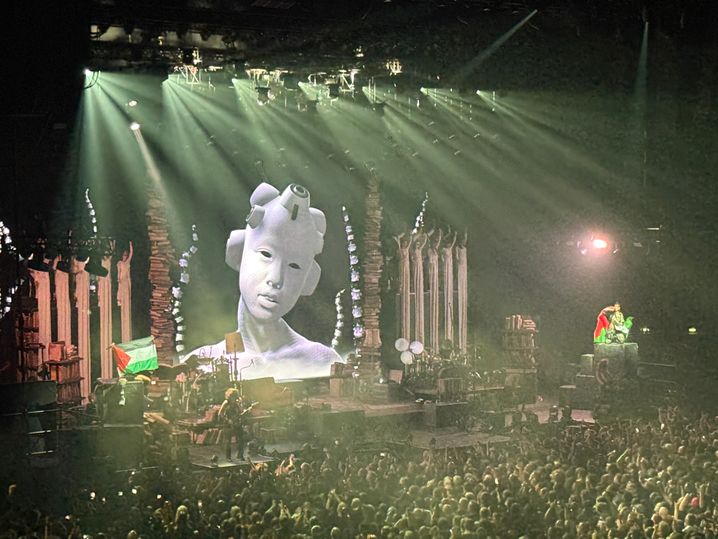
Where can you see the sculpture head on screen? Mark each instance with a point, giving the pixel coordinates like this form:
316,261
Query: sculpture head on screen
274,256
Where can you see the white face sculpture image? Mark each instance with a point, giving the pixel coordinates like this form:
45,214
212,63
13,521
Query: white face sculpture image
274,256
276,261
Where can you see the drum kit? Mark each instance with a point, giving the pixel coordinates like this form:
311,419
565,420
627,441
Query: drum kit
204,381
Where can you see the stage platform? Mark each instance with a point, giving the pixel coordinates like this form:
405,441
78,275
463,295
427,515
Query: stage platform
343,404
201,455
452,437
541,409
421,437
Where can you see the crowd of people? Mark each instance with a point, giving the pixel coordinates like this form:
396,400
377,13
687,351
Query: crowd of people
624,478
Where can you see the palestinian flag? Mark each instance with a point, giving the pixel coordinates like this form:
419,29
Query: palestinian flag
136,356
602,323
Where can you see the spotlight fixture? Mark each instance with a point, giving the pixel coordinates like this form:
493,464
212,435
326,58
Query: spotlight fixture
190,56
94,267
135,126
333,89
692,330
599,243
37,263
63,266
290,80
394,66
264,95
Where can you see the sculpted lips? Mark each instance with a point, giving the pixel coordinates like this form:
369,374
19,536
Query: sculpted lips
271,298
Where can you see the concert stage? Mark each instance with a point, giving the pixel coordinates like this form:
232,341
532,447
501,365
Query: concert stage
201,456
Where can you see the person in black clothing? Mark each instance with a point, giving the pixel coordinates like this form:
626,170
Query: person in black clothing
231,415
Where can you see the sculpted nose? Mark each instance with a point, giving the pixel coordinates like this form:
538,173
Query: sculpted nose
275,279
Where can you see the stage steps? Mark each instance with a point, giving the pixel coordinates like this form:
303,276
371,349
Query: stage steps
581,388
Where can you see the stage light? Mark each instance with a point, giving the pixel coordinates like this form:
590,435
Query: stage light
599,243
394,67
135,126
333,88
37,263
94,267
692,330
645,330
63,266
132,103
87,71
290,80
190,56
264,95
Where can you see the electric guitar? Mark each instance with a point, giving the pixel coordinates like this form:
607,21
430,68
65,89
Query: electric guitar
237,420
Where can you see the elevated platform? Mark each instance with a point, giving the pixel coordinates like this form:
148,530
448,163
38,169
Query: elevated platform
201,456
452,437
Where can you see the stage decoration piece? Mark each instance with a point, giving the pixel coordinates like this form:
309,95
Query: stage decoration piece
403,243
372,260
416,348
447,255
91,211
401,344
340,319
407,358
462,282
124,292
274,256
82,301
104,301
419,221
417,262
432,255
354,277
612,326
178,290
136,356
8,268
162,259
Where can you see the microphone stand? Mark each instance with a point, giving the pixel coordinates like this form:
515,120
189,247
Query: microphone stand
240,376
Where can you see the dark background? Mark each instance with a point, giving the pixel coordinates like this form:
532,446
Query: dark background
571,161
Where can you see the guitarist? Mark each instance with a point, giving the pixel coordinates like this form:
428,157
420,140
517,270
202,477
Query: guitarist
231,415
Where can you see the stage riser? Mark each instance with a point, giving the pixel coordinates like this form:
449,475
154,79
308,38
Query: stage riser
660,371
438,415
123,444
523,383
108,403
330,423
586,393
622,358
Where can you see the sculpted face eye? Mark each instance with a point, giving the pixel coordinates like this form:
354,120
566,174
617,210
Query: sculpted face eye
294,265
265,253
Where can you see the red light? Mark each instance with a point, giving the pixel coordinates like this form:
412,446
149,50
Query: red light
599,243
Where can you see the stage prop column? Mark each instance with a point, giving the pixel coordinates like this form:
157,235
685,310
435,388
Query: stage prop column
162,259
433,265
462,278
124,294
417,259
104,298
403,242
447,255
62,302
372,264
82,298
41,281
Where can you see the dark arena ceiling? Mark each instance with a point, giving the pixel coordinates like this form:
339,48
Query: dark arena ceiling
332,34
